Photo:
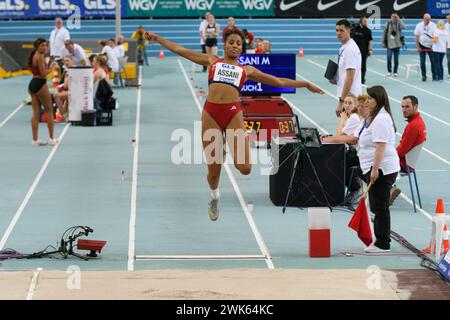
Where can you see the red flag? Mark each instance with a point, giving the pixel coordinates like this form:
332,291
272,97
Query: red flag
360,223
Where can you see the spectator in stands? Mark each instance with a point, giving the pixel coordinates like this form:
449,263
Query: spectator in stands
448,46
440,42
424,33
202,26
266,44
139,36
392,41
76,52
58,37
363,38
210,34
415,133
230,26
349,61
249,37
113,62
260,47
61,97
379,163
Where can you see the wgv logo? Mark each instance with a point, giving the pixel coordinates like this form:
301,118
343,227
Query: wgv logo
54,4
12,5
257,4
136,5
100,4
199,4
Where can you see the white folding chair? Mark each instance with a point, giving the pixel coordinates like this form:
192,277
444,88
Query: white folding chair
411,67
411,161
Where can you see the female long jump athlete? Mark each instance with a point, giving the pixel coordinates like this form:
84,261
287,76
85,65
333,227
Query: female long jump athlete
222,110
39,92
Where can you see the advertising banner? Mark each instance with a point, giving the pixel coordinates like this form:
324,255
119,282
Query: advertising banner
197,8
439,8
344,9
32,9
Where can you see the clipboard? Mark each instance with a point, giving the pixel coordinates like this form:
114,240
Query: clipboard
332,69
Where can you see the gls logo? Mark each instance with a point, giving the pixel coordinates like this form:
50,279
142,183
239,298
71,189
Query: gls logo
100,4
12,5
54,4
144,5
256,4
199,4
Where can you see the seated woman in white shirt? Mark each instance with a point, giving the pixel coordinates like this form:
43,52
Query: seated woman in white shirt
348,115
379,163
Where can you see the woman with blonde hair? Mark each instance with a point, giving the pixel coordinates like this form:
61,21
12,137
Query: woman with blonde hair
440,41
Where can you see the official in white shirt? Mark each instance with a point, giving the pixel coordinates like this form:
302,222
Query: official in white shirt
379,163
76,52
58,37
424,34
349,65
440,41
447,25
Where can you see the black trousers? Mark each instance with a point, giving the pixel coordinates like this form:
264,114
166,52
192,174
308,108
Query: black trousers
363,66
379,205
204,51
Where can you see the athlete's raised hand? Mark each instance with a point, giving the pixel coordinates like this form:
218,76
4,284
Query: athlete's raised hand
150,36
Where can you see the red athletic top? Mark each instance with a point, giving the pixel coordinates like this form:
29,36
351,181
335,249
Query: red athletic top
35,71
415,133
221,72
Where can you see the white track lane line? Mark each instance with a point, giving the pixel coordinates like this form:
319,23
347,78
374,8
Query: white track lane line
425,213
132,226
12,114
248,214
393,99
33,284
202,257
32,188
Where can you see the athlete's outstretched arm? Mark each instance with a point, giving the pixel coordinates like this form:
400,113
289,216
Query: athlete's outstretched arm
259,76
194,56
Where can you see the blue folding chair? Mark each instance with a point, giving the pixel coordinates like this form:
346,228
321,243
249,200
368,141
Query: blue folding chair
411,161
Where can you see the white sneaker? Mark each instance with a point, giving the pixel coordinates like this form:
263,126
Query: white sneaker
374,249
39,143
389,74
53,142
213,209
396,75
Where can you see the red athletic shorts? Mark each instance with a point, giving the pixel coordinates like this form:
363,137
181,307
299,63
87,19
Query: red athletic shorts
223,113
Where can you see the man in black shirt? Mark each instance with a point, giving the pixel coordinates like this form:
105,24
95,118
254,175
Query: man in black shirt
363,38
